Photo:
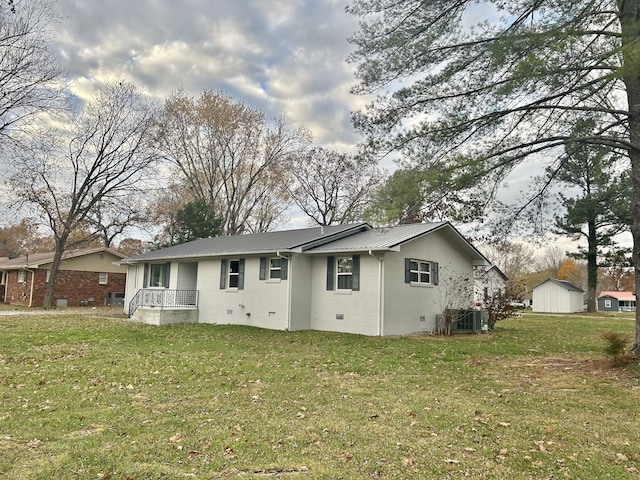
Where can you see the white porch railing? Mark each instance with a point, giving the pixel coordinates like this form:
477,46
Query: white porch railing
164,298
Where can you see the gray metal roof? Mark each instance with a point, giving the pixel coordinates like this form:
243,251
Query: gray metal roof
390,239
379,239
563,283
255,243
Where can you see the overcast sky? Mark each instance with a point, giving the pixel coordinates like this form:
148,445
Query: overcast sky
280,56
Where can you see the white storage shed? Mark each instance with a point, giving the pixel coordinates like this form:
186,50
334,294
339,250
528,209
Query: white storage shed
557,296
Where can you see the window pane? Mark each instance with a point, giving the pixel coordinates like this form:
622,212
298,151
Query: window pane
275,268
424,267
234,273
413,276
345,282
234,266
424,278
345,265
414,265
155,278
276,263
276,274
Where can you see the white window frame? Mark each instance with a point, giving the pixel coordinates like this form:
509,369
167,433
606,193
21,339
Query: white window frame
162,270
233,274
103,278
22,276
344,271
275,268
607,303
423,272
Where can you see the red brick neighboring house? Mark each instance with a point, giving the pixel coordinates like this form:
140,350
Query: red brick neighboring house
85,277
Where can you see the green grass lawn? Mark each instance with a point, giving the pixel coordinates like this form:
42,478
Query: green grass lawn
94,397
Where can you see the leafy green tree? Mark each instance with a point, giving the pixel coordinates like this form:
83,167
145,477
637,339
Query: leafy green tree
413,195
195,220
600,210
474,99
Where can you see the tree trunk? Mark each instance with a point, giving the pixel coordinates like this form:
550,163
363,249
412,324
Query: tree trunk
53,274
592,266
629,10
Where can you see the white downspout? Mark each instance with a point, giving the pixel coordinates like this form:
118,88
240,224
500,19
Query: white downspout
289,286
33,279
380,293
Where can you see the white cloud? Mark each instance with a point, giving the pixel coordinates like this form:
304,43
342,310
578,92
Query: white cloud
280,56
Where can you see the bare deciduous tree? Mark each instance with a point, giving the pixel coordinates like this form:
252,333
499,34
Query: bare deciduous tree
455,298
332,187
29,73
230,156
513,258
104,154
550,260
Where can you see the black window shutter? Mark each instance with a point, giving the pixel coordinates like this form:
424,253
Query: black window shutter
355,273
241,274
263,268
434,265
284,272
407,270
145,282
223,274
331,261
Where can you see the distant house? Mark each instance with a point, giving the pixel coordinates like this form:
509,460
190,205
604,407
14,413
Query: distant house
610,301
346,278
557,296
488,281
85,277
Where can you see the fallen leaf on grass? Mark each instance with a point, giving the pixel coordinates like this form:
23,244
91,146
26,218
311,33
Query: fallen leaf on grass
35,443
345,457
541,446
504,424
176,438
407,461
622,457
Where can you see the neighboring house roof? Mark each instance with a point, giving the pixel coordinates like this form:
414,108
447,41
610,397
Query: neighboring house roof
37,260
624,296
563,283
255,243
